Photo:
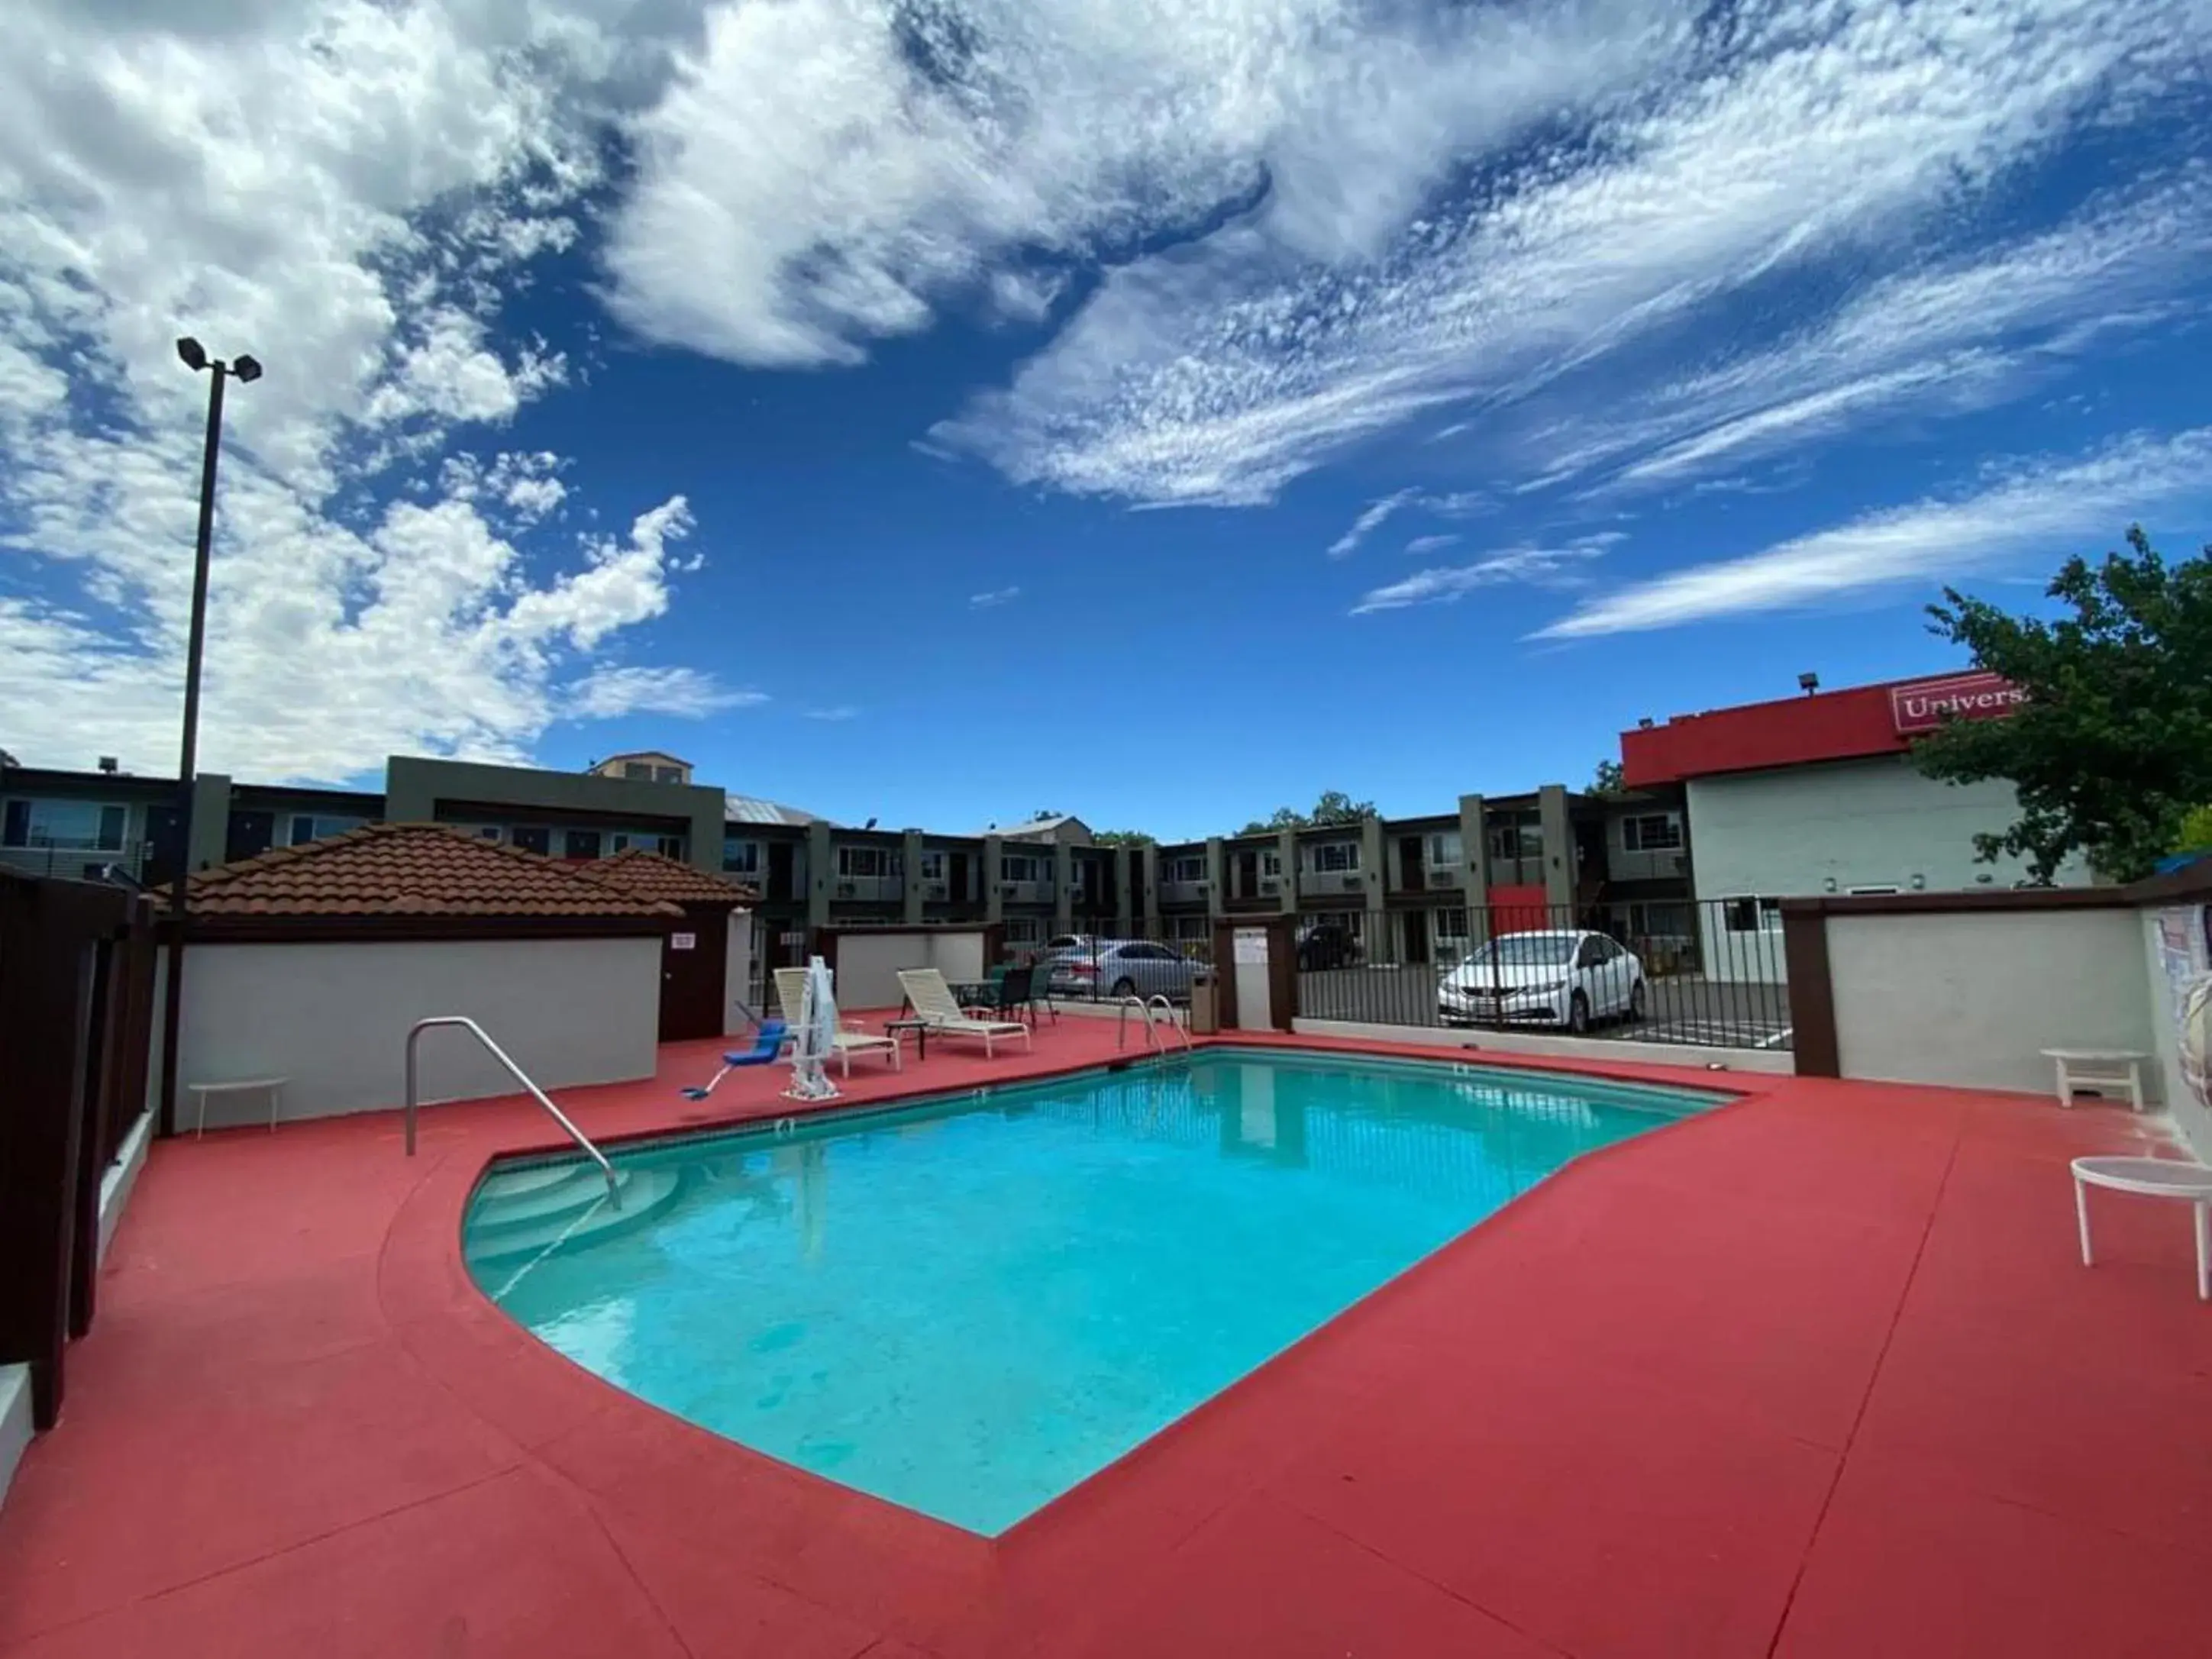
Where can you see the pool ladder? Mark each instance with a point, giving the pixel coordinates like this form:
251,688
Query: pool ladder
1144,1006
414,1034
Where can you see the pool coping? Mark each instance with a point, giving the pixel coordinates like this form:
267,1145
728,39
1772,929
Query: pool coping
539,1367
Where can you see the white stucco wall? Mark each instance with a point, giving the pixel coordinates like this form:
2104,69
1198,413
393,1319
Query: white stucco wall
868,964
334,1018
1859,823
1873,822
1971,998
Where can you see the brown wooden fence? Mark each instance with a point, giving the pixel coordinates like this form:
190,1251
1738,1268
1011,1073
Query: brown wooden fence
76,1004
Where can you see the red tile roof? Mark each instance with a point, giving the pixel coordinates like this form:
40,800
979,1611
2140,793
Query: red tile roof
409,869
644,874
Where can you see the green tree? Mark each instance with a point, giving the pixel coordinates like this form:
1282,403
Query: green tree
1607,780
2196,835
2113,749
1123,838
1333,806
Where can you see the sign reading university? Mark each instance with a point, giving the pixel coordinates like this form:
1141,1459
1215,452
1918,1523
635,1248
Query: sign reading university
1926,704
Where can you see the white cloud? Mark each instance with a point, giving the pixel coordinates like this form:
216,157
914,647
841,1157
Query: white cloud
1431,543
685,693
1679,168
1962,333
2047,509
824,174
997,595
346,188
1371,519
1534,566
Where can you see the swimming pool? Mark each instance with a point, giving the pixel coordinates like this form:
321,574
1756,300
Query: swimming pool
967,1306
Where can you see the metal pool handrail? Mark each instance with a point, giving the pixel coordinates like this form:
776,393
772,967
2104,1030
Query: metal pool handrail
414,1034
1168,1009
1121,1023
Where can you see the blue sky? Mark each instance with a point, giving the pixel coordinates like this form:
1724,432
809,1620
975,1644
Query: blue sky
940,410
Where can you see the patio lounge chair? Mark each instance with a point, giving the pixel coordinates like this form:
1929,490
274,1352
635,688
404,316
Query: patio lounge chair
847,1040
936,1007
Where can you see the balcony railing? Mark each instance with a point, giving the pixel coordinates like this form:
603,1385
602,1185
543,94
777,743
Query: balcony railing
1025,892
871,890
76,863
1183,892
1316,882
1625,866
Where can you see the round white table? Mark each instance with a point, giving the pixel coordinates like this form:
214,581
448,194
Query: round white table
2151,1178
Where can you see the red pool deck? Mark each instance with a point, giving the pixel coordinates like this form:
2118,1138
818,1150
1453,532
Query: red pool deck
1817,1374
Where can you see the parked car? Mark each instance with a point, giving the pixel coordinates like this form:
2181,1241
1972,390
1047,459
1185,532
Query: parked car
1570,978
1326,944
1121,968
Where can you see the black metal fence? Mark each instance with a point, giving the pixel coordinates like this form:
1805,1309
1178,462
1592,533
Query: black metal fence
1714,977
1161,956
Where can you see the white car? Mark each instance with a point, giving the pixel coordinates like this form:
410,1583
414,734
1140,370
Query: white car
1565,978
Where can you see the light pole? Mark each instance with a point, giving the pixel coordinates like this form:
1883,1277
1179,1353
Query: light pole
247,370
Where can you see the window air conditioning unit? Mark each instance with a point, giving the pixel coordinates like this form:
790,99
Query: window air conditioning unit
1353,883
848,890
1444,877
1007,888
1270,885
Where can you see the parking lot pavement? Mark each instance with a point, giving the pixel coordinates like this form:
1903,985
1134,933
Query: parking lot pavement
1683,1008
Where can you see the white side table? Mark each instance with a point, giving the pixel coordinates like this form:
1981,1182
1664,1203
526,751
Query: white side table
2109,1068
275,1086
2151,1178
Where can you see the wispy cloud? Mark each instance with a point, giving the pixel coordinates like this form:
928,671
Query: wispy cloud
1686,166
1370,519
2048,509
1432,544
995,597
686,693
841,712
1961,334
1534,566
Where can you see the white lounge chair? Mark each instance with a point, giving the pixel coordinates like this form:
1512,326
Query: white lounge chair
936,1006
847,1040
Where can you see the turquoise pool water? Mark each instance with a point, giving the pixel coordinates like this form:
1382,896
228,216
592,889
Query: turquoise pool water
969,1305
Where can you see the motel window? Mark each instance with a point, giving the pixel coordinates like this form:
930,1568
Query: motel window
1446,848
1449,928
304,828
1185,867
490,832
1507,841
1653,832
532,838
1024,930
1650,922
581,844
639,770
669,847
860,861
739,857
82,825
1336,857
1271,862
1021,866
1751,915
668,774
932,867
